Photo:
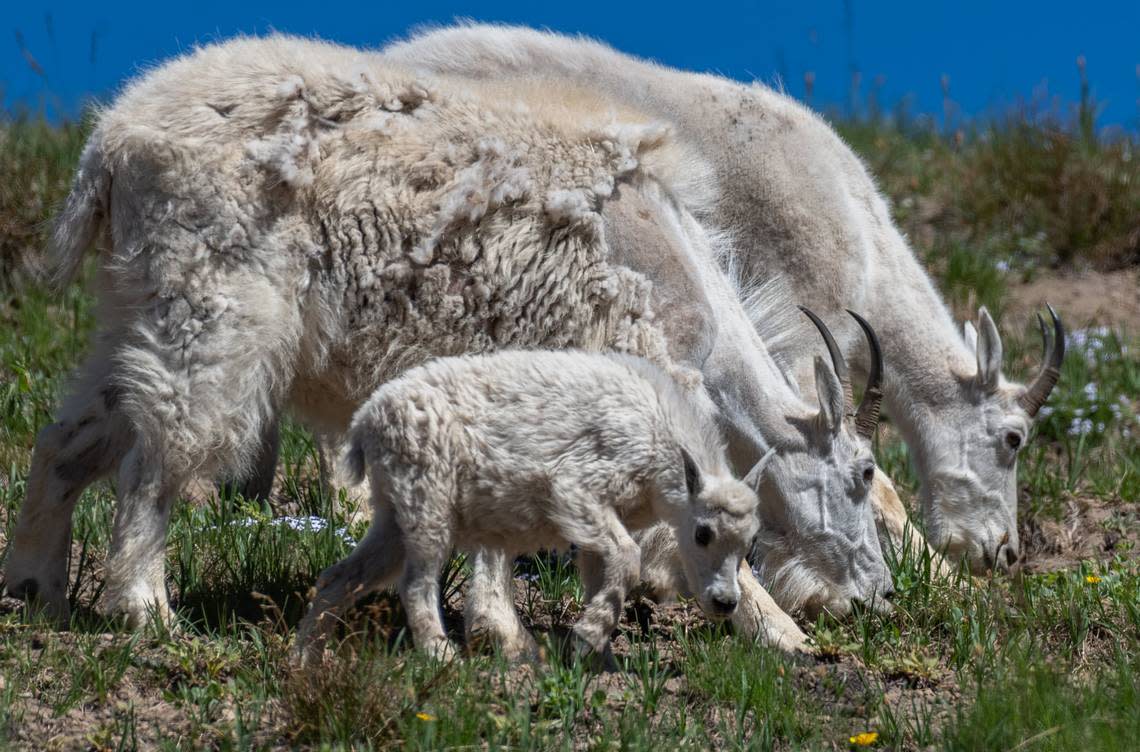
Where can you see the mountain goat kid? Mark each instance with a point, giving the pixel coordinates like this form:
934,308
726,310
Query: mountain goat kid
526,450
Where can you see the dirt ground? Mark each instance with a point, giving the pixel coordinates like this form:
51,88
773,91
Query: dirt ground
1091,530
1106,298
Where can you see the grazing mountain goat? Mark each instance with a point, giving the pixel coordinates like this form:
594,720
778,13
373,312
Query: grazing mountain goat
288,224
521,451
801,205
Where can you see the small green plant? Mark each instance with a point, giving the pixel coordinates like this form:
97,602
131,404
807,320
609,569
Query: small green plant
95,668
645,663
1029,703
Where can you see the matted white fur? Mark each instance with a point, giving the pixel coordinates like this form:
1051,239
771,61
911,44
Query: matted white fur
520,451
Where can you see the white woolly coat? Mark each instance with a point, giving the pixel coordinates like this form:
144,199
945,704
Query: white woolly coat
295,222
505,450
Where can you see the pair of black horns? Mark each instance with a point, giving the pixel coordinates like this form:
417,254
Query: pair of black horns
866,416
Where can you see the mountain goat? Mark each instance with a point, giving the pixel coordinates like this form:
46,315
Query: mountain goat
526,450
289,228
288,224
803,208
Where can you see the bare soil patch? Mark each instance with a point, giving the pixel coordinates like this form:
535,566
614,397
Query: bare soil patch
1082,298
1092,530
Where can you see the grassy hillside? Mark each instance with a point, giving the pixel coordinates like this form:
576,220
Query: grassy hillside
1048,660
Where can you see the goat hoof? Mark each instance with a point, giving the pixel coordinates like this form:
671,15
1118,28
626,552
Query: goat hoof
43,603
140,609
597,661
27,590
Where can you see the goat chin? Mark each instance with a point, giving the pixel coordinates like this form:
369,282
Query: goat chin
796,588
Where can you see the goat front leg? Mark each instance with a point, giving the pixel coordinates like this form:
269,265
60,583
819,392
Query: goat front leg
758,617
611,560
605,583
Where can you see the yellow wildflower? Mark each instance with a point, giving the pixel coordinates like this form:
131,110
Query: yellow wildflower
1092,579
865,739
425,716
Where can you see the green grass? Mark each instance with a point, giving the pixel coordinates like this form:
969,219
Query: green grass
1049,709
1045,660
37,161
1049,657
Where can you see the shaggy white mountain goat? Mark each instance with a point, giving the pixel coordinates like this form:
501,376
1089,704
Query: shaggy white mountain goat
288,224
802,206
527,450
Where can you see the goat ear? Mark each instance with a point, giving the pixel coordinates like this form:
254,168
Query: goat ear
830,393
989,352
970,334
692,474
752,480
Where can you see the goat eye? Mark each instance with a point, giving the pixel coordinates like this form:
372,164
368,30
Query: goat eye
1013,441
869,474
703,536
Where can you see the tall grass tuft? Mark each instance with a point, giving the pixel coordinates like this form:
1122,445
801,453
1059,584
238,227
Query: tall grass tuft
1037,186
37,159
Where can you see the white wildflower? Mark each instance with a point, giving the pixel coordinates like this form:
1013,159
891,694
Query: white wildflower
310,524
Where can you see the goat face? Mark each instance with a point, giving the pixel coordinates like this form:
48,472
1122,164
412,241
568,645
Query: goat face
820,550
970,449
715,529
818,547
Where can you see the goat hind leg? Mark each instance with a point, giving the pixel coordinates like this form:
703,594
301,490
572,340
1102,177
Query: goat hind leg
489,614
258,483
375,562
419,592
136,564
79,448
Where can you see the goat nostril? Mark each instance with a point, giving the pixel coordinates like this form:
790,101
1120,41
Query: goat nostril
889,594
1010,555
723,606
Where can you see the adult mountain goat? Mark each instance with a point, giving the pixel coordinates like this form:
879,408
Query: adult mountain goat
802,208
524,450
289,224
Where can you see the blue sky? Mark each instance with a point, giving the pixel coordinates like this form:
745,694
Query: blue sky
993,53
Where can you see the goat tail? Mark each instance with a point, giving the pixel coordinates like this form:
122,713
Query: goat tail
354,464
78,223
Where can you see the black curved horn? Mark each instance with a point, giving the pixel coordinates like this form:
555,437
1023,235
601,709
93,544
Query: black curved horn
837,361
867,416
1036,393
